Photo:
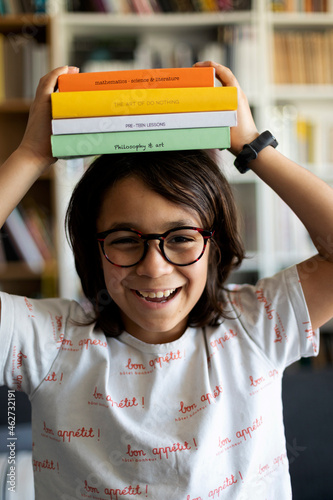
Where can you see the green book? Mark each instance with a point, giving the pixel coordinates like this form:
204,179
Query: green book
78,145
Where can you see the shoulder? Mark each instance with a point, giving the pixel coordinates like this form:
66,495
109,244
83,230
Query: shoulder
277,288
23,314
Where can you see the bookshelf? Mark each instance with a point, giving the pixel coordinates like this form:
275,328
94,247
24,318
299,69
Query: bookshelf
250,31
25,46
108,36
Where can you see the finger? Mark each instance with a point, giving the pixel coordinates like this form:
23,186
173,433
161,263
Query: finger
223,74
47,83
71,71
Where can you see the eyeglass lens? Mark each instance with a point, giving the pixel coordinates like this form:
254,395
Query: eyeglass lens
181,247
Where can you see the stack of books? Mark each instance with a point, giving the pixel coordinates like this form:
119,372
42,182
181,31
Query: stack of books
140,111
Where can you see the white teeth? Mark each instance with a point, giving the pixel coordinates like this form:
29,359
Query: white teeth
157,295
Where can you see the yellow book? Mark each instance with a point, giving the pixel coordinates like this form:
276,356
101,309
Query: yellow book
142,101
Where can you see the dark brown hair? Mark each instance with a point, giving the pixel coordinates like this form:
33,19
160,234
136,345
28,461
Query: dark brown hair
188,178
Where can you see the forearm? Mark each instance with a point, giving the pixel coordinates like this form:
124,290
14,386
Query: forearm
17,175
309,197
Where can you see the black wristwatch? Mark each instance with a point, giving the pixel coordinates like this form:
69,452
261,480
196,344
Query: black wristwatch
250,151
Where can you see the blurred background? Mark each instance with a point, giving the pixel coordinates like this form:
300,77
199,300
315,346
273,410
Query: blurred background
281,51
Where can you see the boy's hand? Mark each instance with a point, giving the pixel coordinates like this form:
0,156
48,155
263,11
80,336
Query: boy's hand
246,130
36,143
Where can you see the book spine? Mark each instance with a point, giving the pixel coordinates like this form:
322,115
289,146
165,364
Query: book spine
303,58
23,241
144,122
145,101
78,145
38,231
137,79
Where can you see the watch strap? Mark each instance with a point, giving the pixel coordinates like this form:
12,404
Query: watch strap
251,151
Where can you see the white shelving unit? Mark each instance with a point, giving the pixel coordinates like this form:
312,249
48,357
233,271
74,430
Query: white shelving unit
274,229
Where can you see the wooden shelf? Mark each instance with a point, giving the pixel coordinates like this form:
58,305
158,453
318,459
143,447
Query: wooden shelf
302,92
20,271
301,19
16,276
167,20
23,20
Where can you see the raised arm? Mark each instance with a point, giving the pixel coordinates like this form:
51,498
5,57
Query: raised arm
33,156
309,197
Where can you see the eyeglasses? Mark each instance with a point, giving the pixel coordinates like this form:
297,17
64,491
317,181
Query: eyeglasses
181,246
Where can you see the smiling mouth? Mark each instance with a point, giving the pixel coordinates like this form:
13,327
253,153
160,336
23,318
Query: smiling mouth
160,296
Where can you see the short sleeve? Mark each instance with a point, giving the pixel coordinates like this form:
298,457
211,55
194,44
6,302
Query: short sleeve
31,334
274,315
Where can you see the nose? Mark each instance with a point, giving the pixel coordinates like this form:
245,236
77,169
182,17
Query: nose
154,264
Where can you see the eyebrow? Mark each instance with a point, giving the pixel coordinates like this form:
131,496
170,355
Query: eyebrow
165,227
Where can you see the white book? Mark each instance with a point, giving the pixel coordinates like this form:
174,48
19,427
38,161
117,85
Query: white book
23,241
144,122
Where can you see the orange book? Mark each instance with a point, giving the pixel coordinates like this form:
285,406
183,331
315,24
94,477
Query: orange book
138,79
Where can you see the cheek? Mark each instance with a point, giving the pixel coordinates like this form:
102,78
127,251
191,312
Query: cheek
117,279
198,276
113,277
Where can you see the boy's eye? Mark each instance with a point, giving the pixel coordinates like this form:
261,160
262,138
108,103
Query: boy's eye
184,236
122,240
179,239
125,241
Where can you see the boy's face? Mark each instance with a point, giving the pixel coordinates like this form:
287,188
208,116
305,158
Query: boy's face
131,204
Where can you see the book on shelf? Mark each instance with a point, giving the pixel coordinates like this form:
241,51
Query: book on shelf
157,6
235,46
78,145
144,122
12,66
39,229
301,6
142,6
142,101
304,138
23,61
163,54
290,235
88,50
23,242
16,7
138,79
26,236
305,129
36,64
303,57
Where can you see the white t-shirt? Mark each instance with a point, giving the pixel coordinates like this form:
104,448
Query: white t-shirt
198,418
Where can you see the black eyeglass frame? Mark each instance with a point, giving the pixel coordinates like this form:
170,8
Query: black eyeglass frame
206,234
